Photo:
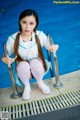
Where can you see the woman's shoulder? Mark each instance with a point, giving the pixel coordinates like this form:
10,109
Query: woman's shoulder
13,36
40,33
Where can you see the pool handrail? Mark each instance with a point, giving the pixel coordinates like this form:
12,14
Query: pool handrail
58,84
16,94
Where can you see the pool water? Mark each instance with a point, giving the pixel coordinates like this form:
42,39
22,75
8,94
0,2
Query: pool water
62,21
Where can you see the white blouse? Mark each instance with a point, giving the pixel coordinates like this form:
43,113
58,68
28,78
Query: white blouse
27,50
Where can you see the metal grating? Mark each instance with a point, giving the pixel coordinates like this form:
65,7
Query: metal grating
42,106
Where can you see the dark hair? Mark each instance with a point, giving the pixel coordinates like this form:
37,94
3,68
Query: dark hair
29,12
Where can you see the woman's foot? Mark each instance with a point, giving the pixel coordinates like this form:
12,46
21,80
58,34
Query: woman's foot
26,93
45,89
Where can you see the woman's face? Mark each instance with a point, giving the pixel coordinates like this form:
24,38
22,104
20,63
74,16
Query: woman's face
28,24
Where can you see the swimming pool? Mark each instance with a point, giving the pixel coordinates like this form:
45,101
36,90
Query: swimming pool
61,21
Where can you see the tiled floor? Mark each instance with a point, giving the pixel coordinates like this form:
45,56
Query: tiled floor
71,82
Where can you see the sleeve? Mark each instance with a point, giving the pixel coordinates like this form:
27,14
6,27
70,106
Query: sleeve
10,45
44,40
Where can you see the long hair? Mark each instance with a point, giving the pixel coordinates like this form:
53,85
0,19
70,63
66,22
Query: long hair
29,12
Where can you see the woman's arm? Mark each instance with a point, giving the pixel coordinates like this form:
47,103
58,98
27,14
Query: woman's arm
46,43
8,60
9,48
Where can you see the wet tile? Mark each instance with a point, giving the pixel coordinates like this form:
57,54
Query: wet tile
71,81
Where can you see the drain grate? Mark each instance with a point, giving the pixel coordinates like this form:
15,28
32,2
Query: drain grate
42,106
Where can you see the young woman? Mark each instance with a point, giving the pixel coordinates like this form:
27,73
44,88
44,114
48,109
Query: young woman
27,47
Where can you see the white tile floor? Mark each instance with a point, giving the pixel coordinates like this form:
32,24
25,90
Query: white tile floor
71,82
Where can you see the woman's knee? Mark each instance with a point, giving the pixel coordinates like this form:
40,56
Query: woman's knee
36,65
23,67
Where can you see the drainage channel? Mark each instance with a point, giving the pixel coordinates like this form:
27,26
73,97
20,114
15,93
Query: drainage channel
42,106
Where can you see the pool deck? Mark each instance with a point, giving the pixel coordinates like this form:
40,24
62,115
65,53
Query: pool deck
71,82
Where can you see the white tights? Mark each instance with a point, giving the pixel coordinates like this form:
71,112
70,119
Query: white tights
24,70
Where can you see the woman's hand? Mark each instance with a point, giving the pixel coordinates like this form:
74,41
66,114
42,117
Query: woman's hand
8,60
53,48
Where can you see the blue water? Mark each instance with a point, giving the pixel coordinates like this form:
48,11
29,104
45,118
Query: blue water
61,21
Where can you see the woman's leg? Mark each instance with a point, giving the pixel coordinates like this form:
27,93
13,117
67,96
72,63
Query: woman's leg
23,70
38,71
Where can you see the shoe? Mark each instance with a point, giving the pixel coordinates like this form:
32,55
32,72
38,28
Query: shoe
26,93
45,89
